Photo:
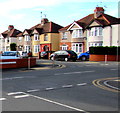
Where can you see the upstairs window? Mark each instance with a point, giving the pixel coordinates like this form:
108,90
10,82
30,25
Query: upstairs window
77,33
96,31
20,39
36,37
64,36
27,38
45,37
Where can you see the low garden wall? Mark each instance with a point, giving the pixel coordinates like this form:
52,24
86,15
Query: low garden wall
106,53
17,63
94,57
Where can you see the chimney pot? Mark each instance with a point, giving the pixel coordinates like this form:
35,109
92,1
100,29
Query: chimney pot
10,27
98,11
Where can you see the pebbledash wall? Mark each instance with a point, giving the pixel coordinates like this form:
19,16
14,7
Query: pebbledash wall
17,63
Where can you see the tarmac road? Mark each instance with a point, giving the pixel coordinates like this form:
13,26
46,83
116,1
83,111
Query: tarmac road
69,88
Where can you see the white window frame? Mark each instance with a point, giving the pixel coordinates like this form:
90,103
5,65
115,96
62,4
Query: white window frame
27,38
77,33
95,44
96,31
36,48
46,37
64,47
64,36
77,48
20,39
36,37
27,48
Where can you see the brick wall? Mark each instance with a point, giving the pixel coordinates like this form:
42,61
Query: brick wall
103,57
16,63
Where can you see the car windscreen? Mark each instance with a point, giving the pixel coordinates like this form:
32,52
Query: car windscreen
71,52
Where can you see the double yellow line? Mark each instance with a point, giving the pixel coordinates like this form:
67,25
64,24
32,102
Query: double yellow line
98,84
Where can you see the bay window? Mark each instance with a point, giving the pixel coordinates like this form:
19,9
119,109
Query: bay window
77,33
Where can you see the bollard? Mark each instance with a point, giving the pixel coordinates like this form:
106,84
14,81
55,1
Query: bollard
28,63
105,59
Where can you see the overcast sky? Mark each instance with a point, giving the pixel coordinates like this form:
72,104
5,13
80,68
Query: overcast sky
24,14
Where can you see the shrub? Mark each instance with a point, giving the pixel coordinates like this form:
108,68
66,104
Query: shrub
112,50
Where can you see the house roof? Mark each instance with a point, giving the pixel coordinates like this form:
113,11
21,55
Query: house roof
10,33
103,20
48,27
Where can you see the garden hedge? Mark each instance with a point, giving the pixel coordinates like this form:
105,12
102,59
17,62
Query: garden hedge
105,50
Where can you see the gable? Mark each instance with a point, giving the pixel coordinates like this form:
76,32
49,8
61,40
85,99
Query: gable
25,33
74,26
94,24
34,31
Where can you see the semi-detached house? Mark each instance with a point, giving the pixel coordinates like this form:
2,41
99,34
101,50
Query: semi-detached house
41,37
7,37
97,29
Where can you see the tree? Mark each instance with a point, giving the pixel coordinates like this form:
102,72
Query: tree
13,46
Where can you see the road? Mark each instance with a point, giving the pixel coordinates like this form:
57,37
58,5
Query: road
79,86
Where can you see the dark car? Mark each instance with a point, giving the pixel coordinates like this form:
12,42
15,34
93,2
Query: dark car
45,54
64,55
83,56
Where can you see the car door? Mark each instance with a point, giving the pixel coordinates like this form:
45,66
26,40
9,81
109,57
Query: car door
63,55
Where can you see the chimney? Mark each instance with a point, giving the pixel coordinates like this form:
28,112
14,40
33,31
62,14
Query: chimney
98,11
44,20
10,27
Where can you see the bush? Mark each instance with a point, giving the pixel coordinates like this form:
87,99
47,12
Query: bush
13,46
112,50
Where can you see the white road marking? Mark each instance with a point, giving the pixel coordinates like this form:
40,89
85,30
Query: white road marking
81,84
1,99
21,96
57,103
49,88
34,90
110,85
87,65
12,78
67,86
15,93
74,72
113,69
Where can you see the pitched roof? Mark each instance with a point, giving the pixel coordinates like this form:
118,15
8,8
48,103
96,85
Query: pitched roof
10,33
48,27
103,20
65,28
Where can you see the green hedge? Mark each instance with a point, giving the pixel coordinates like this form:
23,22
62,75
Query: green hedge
105,50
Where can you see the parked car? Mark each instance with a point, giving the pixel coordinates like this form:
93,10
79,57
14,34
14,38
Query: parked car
83,56
45,54
64,55
10,55
24,54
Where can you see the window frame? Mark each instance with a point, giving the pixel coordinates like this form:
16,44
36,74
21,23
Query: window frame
36,37
77,33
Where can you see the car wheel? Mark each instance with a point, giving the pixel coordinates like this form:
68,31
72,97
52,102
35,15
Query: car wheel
66,59
83,58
